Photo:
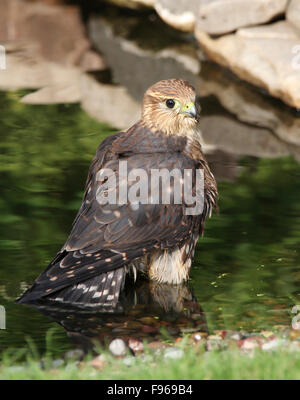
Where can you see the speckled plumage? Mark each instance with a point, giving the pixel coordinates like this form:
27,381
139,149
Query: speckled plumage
108,240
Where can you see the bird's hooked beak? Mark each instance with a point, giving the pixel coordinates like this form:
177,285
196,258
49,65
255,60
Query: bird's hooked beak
189,109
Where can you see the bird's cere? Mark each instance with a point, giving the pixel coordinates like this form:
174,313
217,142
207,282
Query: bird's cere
189,109
155,186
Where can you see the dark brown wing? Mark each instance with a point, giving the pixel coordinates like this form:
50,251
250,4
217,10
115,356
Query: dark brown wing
107,237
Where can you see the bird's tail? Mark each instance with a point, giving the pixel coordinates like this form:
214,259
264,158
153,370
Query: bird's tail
100,291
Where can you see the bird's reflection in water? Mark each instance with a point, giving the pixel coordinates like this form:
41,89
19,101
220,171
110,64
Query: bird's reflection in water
145,311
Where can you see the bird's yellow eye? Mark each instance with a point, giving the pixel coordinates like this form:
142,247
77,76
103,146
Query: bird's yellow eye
170,103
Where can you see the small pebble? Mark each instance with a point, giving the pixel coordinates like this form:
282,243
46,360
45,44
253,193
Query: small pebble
235,336
98,363
189,330
174,353
214,343
129,361
249,345
196,317
118,347
199,336
136,345
57,363
273,344
76,354
156,345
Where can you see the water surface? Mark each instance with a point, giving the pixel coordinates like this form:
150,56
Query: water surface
246,269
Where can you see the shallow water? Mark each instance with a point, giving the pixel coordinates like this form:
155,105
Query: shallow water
246,269
245,275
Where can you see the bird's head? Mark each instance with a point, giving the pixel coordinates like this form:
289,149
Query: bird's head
170,107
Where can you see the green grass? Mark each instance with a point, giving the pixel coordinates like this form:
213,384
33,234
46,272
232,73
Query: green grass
226,364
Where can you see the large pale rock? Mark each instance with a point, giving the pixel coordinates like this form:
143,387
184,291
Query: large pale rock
56,94
181,14
57,31
214,16
223,16
132,4
108,103
137,68
127,59
26,70
148,3
248,105
262,56
293,13
234,137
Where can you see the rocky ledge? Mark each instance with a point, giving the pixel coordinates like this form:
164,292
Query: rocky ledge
267,56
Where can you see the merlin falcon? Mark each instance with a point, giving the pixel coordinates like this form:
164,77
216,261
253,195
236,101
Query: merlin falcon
158,240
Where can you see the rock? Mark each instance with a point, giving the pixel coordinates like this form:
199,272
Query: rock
76,354
132,325
213,16
129,361
148,3
196,316
117,108
235,335
58,94
247,104
180,14
293,14
51,59
214,342
245,54
26,70
244,101
148,320
234,137
133,4
127,58
156,345
57,363
189,329
223,16
57,32
91,61
136,346
249,344
98,363
280,30
173,353
199,336
221,131
118,347
273,344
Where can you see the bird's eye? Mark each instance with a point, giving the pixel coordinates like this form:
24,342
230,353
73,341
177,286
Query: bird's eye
170,103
